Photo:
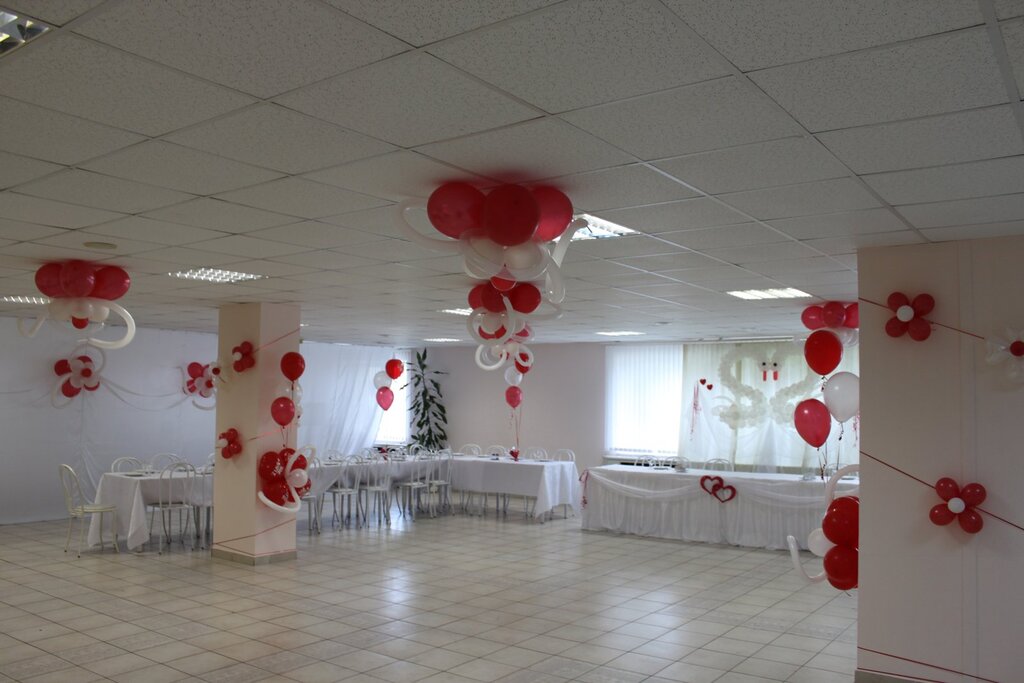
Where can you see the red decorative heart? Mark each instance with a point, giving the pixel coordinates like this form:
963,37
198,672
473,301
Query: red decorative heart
724,493
710,387
715,483
703,381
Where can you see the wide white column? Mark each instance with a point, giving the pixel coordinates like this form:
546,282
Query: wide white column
244,529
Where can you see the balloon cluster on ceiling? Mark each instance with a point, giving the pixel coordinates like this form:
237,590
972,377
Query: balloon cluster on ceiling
383,380
83,293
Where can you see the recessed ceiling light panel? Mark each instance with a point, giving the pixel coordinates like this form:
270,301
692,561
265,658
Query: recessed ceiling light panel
456,311
441,340
215,275
620,333
754,294
600,229
16,30
36,300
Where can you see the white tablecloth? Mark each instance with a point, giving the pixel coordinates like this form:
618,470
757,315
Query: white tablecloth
552,483
667,504
131,494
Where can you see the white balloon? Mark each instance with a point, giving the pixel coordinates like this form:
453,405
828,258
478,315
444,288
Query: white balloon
513,377
492,322
100,312
81,308
818,544
60,308
295,392
956,505
297,478
380,380
905,313
222,443
842,395
847,336
527,255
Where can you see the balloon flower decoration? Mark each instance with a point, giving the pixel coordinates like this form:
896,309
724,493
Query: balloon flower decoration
201,382
229,443
283,480
959,504
1008,350
837,540
910,316
75,374
82,293
243,357
383,380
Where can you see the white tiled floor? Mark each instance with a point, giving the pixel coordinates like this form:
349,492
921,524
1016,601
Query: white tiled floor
450,600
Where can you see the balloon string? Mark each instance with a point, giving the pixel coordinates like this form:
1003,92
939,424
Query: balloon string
114,388
274,341
931,486
135,393
931,322
932,666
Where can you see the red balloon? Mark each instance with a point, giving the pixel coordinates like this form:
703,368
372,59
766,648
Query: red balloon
112,282
282,410
840,564
823,351
300,460
555,213
897,299
834,314
813,317
840,529
455,208
385,397
514,396
245,348
520,364
234,448
394,368
68,390
973,494
894,327
62,367
79,323
941,515
301,491
293,365
48,280
919,329
970,521
501,284
510,215
923,304
476,295
813,421
231,434
276,491
77,278
852,316
846,505
248,362
525,298
947,488
272,465
524,333
195,370
843,585
492,299
238,365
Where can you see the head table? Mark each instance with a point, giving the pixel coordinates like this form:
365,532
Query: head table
761,511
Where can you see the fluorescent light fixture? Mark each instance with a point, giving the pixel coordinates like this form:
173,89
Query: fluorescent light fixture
620,333
600,229
214,275
785,293
456,311
441,340
17,30
37,300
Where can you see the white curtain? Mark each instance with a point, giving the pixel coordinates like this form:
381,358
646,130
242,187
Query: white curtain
339,408
642,398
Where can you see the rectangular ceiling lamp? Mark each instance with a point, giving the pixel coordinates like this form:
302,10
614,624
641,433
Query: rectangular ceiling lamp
16,30
755,294
215,275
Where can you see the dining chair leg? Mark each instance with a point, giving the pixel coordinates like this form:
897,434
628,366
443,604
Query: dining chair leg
81,534
67,541
117,548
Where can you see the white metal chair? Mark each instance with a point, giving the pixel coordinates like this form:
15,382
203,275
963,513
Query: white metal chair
564,454
439,483
535,453
127,464
377,490
174,493
347,488
160,461
496,449
719,464
411,491
79,509
471,449
314,502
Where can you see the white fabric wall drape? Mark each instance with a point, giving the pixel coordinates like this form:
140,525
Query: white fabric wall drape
642,398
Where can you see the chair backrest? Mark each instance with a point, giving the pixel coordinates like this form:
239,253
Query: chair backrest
718,464
308,450
497,449
334,455
565,454
535,453
211,459
471,449
377,472
350,473
443,467
127,464
160,461
72,491
314,469
643,460
682,463
176,484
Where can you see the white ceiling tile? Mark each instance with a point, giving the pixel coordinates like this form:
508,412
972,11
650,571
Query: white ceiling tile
966,211
973,232
379,223
1013,37
395,176
633,245
756,253
185,258
927,76
1006,9
77,76
274,137
21,231
687,214
77,239
315,235
842,194
820,264
385,250
528,151
850,244
325,259
724,236
180,168
764,164
20,207
299,197
271,269
932,141
959,181
15,170
661,262
695,118
216,214
37,132
102,191
248,48
34,253
619,187
56,12
603,51
377,100
839,224
755,34
160,232
250,247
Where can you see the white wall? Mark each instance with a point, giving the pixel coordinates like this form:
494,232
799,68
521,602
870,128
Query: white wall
935,408
563,400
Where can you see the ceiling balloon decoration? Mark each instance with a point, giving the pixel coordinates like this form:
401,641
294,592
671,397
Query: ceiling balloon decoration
83,293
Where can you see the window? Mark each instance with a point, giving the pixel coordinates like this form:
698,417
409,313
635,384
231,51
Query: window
643,398
394,423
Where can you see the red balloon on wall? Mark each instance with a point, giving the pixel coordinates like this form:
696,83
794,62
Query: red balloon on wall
455,208
947,488
282,410
973,494
941,515
394,368
813,421
77,278
514,396
112,282
919,329
48,280
293,365
923,304
823,351
813,317
510,215
525,298
276,491
555,213
970,521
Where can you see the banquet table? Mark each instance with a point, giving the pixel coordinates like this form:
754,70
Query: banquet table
131,492
551,482
668,504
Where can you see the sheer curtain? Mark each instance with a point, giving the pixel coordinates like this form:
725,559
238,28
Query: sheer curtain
643,398
339,410
394,423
